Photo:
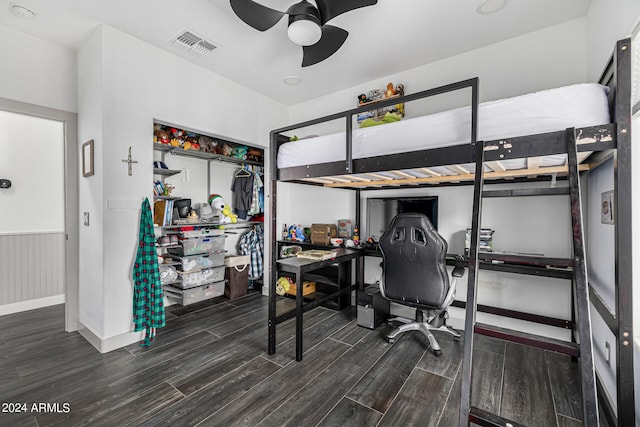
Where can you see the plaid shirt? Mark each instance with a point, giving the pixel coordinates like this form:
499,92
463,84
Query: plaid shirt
252,244
148,305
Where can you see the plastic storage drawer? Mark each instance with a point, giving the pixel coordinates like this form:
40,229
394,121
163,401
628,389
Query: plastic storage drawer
197,294
200,245
199,262
200,277
204,232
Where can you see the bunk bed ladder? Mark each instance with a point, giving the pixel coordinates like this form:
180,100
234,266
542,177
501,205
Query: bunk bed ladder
584,349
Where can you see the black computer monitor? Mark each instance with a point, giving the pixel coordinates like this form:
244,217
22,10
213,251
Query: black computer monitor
380,211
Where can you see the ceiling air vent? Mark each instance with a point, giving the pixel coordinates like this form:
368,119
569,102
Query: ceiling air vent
189,42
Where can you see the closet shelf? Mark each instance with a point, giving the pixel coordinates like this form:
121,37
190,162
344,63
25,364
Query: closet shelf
202,155
165,172
239,224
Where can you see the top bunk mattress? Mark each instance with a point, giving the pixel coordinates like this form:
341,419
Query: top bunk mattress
579,105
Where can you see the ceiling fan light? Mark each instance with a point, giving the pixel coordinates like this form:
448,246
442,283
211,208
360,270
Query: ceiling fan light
304,32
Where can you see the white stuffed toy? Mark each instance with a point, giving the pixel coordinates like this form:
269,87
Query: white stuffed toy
222,210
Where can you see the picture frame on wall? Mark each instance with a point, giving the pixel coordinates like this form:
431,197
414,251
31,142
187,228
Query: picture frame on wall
606,208
87,158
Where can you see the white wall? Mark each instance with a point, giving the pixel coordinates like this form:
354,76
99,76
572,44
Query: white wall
37,71
139,83
90,192
544,59
33,159
607,22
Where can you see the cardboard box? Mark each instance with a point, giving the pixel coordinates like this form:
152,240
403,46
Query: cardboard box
307,288
321,234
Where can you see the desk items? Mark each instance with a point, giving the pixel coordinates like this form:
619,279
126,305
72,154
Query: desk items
321,234
317,254
373,308
485,244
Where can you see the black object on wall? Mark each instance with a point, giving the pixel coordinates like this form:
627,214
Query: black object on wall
5,183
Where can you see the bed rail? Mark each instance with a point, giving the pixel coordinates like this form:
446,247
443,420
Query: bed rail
346,167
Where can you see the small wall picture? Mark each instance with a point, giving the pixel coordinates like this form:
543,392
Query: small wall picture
606,207
87,158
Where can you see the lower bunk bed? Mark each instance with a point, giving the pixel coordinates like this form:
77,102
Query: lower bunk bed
513,140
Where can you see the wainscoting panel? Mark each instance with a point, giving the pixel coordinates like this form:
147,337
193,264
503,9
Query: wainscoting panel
31,266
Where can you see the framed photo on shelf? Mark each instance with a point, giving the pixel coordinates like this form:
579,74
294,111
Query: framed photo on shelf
87,158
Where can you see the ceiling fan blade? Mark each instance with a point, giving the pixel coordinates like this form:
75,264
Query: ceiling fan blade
329,9
332,39
256,15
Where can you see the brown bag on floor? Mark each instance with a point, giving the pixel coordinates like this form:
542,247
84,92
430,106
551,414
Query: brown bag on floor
237,278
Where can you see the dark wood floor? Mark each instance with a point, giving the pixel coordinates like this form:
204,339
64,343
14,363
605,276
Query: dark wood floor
209,367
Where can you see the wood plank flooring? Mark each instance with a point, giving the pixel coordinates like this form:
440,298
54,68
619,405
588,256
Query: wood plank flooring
209,367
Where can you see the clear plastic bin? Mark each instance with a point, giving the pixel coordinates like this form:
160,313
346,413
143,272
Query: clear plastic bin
199,262
200,245
204,232
197,294
199,278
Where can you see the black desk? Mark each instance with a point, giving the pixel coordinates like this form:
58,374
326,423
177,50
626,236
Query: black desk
300,266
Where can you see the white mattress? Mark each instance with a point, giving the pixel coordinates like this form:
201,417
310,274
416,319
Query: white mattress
579,105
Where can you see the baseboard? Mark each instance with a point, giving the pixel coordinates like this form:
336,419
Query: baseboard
32,304
109,344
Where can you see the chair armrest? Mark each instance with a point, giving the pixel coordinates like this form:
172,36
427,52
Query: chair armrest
458,272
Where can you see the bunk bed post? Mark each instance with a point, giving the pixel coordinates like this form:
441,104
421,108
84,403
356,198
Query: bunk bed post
472,284
349,135
472,289
587,369
273,146
623,236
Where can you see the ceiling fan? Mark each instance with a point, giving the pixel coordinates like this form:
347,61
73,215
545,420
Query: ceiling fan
307,24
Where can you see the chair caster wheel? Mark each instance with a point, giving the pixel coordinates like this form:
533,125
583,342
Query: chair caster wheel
456,339
438,353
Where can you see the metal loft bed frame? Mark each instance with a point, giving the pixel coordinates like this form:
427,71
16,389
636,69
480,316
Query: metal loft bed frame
611,140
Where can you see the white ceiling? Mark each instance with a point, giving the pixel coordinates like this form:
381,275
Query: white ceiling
387,38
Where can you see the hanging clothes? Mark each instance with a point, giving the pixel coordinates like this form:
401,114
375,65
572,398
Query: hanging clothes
252,244
242,187
148,304
255,200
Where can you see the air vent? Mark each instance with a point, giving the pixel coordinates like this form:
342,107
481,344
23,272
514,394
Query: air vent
189,42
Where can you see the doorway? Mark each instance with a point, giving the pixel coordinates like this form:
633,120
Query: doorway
38,209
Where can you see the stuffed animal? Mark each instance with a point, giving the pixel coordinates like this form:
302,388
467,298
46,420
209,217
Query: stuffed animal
296,233
254,155
190,142
207,144
283,285
161,137
226,149
390,90
222,210
240,152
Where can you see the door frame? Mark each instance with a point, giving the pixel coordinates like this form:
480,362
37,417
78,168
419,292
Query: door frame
70,123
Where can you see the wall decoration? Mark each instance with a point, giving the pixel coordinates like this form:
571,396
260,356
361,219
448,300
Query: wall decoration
129,161
383,115
606,208
87,158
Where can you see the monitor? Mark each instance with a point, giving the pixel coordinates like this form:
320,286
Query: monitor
380,211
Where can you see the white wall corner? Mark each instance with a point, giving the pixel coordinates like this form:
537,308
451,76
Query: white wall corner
105,345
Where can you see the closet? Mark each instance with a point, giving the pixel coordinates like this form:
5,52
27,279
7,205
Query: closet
208,196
